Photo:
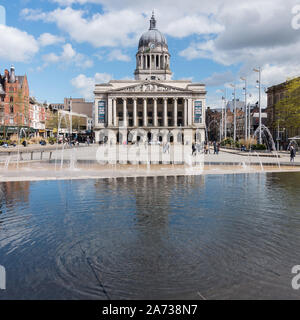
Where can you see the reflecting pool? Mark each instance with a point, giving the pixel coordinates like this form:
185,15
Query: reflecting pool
191,237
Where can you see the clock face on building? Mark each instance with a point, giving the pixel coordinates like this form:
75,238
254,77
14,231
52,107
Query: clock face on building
151,45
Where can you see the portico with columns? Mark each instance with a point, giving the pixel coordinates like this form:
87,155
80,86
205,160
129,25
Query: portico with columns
152,102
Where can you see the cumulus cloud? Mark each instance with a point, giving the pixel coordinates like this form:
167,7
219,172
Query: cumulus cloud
109,29
243,34
68,55
17,45
219,78
85,85
118,55
48,39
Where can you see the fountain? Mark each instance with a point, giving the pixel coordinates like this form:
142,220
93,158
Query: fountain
61,116
267,136
19,137
73,160
259,159
6,164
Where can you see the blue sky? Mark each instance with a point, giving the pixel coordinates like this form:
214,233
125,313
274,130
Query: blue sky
65,46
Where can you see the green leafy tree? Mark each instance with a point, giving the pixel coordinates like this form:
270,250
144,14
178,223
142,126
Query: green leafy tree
288,108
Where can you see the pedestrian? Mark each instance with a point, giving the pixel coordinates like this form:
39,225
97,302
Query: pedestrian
193,149
292,153
88,140
215,147
218,148
206,148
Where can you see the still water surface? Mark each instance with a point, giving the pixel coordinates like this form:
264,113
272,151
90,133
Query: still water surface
217,237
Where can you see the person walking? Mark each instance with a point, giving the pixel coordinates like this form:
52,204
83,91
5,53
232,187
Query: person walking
218,148
292,153
193,149
215,147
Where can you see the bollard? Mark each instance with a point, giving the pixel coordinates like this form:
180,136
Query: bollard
32,155
42,155
50,154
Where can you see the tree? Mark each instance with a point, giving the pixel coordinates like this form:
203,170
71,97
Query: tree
288,109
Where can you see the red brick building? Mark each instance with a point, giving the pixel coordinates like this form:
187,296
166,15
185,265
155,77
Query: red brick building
14,102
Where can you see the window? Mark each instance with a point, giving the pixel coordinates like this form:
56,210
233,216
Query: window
11,99
140,114
11,109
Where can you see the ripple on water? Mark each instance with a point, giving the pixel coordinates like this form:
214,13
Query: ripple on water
145,238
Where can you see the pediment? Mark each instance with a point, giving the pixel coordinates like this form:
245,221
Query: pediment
150,87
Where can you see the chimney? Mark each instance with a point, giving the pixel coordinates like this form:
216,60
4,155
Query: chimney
6,75
12,78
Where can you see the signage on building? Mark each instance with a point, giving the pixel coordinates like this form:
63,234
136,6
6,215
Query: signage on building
263,115
198,112
101,111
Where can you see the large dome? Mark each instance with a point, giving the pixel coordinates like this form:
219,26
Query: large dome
152,36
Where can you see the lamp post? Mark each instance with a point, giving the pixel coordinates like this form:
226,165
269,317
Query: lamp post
71,119
246,111
259,105
224,120
234,121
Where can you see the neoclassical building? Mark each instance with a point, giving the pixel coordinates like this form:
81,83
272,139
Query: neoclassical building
152,106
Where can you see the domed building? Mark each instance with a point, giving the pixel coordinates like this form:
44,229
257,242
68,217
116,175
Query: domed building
153,57
152,102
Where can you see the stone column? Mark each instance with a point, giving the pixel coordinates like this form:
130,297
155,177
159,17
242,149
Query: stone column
185,113
134,112
155,111
175,112
190,111
109,112
165,112
115,111
145,112
124,112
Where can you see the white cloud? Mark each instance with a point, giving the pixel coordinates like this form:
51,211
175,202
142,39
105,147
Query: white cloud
85,85
118,55
47,39
218,79
17,45
68,56
109,29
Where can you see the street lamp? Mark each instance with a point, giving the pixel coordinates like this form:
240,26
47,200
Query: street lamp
224,124
259,106
234,121
245,92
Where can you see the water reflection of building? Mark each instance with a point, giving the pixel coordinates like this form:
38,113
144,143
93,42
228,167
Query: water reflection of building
16,192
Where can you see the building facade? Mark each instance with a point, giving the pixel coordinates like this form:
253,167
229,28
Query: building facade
152,107
37,117
14,102
274,95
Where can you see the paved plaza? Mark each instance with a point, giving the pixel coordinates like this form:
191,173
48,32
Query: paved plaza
142,154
